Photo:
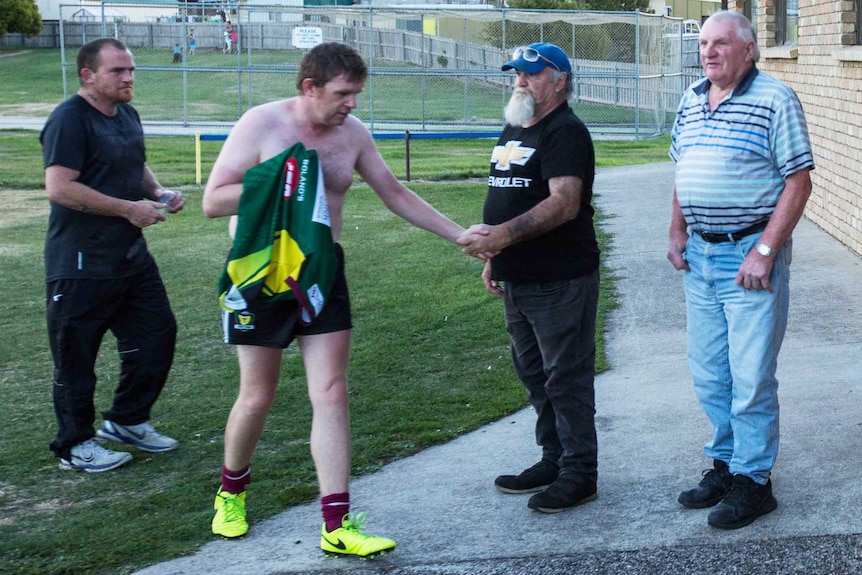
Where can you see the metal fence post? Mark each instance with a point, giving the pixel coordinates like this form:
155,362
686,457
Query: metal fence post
407,153
637,75
63,54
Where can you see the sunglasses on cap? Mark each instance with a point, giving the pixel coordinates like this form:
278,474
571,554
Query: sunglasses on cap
531,55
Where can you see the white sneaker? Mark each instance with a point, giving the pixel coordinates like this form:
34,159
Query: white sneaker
142,436
91,457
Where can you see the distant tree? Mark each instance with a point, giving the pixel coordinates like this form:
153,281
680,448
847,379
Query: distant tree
21,16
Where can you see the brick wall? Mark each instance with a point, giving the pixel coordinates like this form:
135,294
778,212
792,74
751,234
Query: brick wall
825,70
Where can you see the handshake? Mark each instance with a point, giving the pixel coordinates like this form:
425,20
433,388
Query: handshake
481,241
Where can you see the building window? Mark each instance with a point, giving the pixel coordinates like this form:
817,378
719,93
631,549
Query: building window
786,22
749,8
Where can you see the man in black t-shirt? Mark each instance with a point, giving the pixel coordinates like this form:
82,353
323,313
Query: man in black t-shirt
100,275
538,238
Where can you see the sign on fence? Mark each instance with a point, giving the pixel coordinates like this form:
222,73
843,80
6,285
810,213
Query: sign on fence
306,37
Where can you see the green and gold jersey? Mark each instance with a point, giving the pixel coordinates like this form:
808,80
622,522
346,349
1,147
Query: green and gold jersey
283,246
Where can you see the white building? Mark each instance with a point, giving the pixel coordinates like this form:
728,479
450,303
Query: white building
686,9
93,11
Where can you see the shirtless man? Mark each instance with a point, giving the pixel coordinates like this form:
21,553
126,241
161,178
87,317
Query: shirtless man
330,77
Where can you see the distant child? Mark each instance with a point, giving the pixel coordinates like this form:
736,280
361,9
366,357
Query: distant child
178,53
192,42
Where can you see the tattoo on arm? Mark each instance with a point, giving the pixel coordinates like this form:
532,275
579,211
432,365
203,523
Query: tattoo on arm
524,227
541,219
88,210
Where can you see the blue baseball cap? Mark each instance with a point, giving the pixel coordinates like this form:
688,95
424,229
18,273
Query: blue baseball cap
536,57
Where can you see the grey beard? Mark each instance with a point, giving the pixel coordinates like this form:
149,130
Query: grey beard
520,109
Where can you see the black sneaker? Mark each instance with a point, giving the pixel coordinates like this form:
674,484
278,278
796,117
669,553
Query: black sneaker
536,478
712,488
566,492
746,502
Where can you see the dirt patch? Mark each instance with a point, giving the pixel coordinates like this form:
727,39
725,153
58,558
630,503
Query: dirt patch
17,505
34,110
22,206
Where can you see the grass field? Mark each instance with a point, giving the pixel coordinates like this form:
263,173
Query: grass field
430,352
212,91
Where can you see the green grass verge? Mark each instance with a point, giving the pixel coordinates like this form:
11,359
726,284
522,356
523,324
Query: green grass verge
173,158
430,352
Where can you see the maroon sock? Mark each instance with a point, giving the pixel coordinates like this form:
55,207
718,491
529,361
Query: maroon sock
334,507
235,481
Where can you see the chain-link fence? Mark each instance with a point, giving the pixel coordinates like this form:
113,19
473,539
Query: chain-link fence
430,70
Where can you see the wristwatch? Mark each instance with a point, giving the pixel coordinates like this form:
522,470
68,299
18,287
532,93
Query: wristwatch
764,250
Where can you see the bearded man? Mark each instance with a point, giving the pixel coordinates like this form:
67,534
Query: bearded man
538,233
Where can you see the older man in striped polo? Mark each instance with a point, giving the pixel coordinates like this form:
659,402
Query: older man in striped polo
743,158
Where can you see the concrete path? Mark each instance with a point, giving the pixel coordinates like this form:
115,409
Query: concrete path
441,505
150,128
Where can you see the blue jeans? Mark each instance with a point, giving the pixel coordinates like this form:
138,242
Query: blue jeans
734,336
553,341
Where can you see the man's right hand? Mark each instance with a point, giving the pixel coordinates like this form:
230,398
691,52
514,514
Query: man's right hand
676,251
144,213
677,236
474,242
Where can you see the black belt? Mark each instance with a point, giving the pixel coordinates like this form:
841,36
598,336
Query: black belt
732,237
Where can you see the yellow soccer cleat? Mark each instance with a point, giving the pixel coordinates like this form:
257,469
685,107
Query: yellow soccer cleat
229,520
350,540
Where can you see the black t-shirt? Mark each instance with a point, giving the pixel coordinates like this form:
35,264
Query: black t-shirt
108,151
521,165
